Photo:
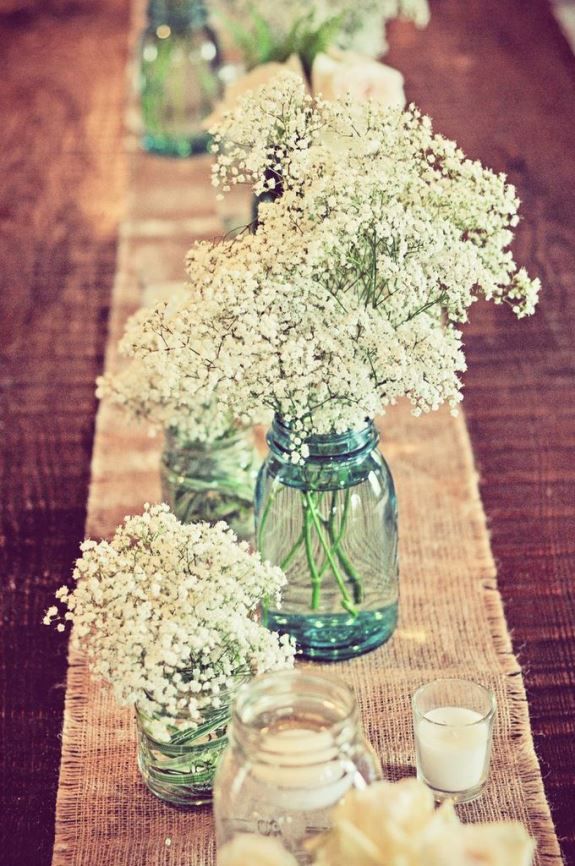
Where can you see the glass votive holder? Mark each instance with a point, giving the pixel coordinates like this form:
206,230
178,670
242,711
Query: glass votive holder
453,729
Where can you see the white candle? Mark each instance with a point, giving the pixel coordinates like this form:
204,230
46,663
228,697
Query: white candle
301,770
452,744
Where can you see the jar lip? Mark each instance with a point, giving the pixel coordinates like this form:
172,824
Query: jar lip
280,692
284,425
321,445
486,694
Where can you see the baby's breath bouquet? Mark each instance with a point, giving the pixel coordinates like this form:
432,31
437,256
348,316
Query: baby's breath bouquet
349,294
394,824
166,614
209,461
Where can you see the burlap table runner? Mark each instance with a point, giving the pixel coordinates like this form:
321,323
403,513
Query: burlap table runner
451,623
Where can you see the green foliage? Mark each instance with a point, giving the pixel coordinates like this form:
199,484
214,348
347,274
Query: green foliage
256,42
307,40
259,44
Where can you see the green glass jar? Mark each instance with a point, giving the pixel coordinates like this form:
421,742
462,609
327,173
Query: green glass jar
176,758
179,77
212,481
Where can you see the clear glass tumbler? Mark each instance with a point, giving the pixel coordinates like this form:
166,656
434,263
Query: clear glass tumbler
177,758
453,727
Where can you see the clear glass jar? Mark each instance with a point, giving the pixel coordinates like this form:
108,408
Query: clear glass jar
295,749
177,759
331,524
211,481
179,77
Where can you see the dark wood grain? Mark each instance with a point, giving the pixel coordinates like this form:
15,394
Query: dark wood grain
499,77
496,75
61,95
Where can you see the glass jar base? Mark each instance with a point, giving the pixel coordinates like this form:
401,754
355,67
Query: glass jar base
187,802
336,636
180,796
176,146
457,797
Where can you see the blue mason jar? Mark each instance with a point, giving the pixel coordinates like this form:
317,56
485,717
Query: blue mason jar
179,77
331,524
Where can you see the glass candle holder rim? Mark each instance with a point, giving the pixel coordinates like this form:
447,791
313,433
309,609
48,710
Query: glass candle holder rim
245,736
488,693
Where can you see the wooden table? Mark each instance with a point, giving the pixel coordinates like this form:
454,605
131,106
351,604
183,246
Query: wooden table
498,76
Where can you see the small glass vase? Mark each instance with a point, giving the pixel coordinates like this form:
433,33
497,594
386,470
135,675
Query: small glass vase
211,481
177,760
179,77
331,524
295,749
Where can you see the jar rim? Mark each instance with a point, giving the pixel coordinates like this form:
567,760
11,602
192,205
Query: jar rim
348,444
271,702
486,695
176,440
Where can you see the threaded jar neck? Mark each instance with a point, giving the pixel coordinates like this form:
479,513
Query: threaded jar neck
294,719
349,445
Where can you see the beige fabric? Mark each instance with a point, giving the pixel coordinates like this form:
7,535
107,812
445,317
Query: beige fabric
451,622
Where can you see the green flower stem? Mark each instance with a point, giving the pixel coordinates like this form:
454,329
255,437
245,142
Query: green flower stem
312,520
263,521
213,491
288,558
196,735
354,577
265,609
182,779
331,526
315,578
183,767
352,573
346,600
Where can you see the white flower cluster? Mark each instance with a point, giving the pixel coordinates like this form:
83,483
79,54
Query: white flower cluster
394,824
350,292
152,390
166,613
